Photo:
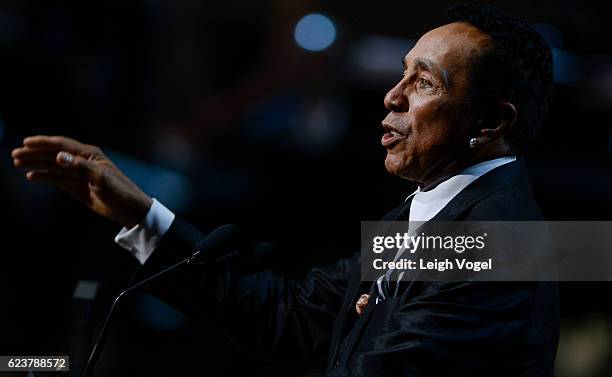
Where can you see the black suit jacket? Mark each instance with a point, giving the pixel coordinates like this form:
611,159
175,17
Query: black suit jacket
429,329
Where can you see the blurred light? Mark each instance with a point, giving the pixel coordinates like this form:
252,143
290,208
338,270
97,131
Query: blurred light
566,67
167,186
175,152
86,289
377,59
323,125
170,188
584,347
315,32
270,121
294,122
157,314
551,34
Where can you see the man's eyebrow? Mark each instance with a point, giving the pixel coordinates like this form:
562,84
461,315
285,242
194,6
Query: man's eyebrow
429,66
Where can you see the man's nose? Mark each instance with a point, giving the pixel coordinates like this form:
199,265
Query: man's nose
396,99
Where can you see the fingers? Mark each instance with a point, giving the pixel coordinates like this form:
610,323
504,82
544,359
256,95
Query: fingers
41,143
26,153
53,143
80,165
55,178
42,165
25,157
35,164
62,164
43,152
36,159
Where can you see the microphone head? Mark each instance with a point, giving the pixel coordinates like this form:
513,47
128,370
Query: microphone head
224,246
223,238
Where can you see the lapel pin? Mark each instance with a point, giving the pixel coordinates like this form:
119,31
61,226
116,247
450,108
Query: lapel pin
362,303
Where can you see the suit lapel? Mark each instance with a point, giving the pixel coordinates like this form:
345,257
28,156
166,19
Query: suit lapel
501,177
348,307
350,341
343,320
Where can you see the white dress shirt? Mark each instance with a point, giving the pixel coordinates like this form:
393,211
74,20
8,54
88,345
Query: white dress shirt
143,239
427,204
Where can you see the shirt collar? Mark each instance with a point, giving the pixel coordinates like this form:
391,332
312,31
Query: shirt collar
426,204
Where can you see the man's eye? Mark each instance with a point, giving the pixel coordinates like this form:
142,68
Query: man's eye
424,83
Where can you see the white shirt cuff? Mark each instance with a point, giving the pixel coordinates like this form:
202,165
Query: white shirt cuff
143,239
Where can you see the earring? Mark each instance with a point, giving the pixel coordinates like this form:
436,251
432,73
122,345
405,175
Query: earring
473,142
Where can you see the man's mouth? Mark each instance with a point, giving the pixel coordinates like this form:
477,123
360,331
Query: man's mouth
391,137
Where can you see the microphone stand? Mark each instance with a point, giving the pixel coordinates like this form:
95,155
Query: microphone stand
97,349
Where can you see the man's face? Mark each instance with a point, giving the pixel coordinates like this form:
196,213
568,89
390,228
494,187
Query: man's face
429,123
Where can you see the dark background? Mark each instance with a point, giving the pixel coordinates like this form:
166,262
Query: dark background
214,109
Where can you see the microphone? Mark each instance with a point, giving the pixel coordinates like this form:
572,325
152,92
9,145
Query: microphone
213,243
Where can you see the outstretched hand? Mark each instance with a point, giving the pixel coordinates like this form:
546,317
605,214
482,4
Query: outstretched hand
85,173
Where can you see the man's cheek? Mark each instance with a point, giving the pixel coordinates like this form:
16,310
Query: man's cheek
405,146
400,157
431,133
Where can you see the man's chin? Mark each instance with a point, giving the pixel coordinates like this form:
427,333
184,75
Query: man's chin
395,165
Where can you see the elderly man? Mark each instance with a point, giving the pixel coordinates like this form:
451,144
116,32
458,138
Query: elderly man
472,94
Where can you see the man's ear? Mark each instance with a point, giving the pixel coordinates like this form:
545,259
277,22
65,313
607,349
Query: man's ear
499,122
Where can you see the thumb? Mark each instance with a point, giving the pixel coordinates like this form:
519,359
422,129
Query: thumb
77,163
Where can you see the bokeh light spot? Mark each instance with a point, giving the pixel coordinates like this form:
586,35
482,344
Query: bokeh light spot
315,32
